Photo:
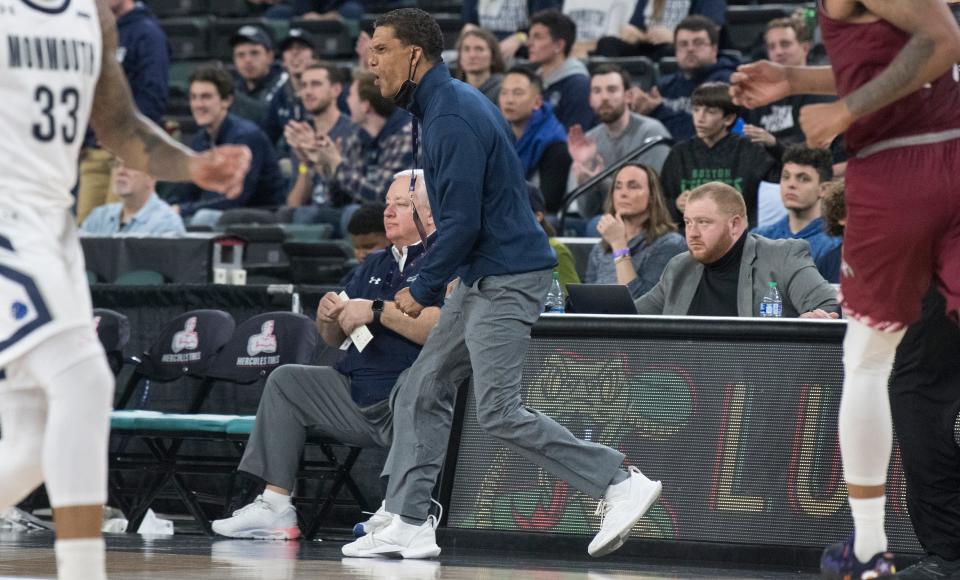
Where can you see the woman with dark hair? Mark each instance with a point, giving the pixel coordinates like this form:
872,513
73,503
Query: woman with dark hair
638,235
479,62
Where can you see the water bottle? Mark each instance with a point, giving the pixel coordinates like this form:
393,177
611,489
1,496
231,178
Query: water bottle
295,303
555,302
771,306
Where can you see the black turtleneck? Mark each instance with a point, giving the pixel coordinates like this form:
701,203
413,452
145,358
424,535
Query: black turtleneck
717,293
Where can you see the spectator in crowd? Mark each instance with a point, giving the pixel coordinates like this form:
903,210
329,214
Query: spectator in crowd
314,9
508,20
803,181
653,24
211,94
716,155
362,165
620,132
833,209
297,53
777,125
313,197
144,54
638,235
257,76
367,234
727,271
348,401
696,42
566,82
541,139
566,264
479,62
140,210
596,19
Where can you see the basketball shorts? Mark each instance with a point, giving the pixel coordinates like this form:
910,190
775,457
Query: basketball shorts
903,230
43,287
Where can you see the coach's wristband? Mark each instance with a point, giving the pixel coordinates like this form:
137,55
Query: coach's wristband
621,253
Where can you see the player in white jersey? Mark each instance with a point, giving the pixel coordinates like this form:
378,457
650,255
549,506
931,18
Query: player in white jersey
59,69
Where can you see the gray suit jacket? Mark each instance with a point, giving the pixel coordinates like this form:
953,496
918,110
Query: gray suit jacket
786,262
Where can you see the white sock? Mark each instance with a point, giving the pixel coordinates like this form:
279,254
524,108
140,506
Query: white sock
870,537
81,559
276,500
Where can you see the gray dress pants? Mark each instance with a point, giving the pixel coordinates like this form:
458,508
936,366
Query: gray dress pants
484,328
298,398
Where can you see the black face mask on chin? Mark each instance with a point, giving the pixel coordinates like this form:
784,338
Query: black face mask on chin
405,93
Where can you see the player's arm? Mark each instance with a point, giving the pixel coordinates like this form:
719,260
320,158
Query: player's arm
932,50
812,80
763,82
142,145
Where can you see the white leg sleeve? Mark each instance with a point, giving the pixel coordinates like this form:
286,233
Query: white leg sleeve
79,399
23,415
865,425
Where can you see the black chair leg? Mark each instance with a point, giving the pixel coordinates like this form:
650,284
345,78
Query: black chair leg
342,473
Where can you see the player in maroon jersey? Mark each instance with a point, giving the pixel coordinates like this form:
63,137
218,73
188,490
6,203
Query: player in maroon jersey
899,109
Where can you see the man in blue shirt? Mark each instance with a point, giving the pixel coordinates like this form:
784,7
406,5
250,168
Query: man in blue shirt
488,236
211,94
348,401
139,212
803,179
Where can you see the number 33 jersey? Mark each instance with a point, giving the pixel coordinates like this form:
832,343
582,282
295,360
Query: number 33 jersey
50,54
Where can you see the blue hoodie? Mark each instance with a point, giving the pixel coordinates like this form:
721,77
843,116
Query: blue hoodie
485,226
543,130
814,233
567,89
144,54
676,89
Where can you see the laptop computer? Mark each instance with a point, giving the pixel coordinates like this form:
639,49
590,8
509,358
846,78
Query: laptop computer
600,299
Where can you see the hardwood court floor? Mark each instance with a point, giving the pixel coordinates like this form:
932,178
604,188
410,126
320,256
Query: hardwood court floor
196,557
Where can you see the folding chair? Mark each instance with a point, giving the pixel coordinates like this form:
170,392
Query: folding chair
113,330
294,343
184,350
256,347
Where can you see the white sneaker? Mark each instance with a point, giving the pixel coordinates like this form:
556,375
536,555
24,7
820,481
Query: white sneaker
260,520
621,508
397,540
378,520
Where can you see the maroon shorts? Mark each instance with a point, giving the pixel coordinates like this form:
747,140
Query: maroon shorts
903,230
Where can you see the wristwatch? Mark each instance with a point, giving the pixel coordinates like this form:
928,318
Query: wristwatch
377,308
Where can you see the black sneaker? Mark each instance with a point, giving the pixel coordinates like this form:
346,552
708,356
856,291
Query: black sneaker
932,567
839,563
